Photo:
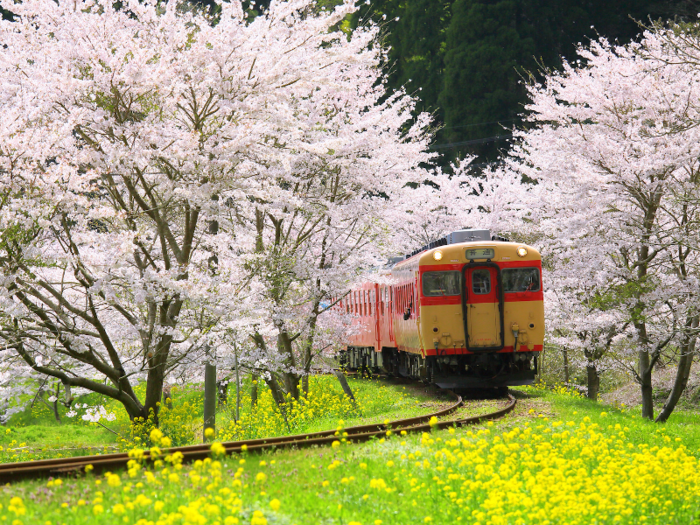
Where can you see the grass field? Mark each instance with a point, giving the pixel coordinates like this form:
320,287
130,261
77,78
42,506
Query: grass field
556,459
34,433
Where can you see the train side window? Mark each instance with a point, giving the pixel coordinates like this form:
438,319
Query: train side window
438,284
521,280
481,282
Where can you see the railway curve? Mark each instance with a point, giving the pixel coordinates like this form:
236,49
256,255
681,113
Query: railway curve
12,472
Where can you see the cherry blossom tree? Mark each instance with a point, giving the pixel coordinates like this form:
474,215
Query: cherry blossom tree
357,149
170,180
612,168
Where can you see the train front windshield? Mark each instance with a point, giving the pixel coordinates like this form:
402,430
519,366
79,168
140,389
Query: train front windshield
521,280
438,284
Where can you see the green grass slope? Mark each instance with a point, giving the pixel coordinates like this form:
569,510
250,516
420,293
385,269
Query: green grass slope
557,459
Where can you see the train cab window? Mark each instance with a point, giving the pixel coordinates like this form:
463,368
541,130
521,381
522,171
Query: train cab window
521,280
438,284
481,282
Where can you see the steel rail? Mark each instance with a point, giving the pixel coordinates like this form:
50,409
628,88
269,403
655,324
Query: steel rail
11,472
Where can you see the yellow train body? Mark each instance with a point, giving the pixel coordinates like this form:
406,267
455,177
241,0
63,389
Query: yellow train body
463,314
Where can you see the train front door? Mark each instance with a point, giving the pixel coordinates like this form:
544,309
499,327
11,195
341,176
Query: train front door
482,308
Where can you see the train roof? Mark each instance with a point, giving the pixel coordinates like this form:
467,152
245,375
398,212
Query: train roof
453,249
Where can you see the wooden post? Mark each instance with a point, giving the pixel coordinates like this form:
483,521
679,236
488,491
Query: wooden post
346,388
238,384
209,399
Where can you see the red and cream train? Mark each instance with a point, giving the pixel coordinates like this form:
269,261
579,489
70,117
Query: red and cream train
463,312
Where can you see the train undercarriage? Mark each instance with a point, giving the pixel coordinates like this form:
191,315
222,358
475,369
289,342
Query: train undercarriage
477,371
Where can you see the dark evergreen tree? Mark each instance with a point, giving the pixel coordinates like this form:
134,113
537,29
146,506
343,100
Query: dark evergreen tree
422,51
465,58
488,46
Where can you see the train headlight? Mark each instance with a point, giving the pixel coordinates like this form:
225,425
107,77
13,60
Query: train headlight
522,251
437,255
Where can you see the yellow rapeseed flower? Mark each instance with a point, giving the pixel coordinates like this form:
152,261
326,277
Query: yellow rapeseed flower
217,449
275,504
113,480
156,435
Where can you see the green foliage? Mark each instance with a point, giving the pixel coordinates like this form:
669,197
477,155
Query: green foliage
466,59
321,410
487,43
34,433
33,442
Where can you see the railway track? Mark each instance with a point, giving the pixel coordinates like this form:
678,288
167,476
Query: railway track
12,472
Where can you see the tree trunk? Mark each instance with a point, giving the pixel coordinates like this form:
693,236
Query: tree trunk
345,386
275,390
646,385
222,390
157,361
593,381
566,366
167,397
682,374
56,415
685,364
209,399
254,390
291,380
154,393
278,396
238,391
308,349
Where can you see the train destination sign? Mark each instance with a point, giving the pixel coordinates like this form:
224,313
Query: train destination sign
481,253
